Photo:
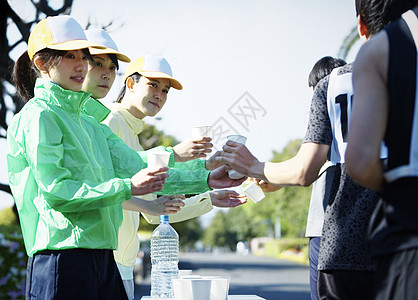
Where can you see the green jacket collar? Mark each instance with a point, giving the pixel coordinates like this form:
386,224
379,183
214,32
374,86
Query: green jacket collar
56,95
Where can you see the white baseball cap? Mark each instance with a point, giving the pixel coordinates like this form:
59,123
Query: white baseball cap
152,66
101,37
59,33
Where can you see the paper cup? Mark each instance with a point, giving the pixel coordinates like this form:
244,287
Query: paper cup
201,289
219,288
200,132
192,289
241,140
254,192
182,289
158,159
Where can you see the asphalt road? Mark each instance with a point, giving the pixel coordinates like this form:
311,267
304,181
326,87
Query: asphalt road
266,277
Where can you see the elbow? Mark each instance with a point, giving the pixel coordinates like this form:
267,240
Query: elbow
305,179
307,182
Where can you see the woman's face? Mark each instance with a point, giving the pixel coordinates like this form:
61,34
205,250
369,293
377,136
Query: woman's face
100,76
70,72
150,95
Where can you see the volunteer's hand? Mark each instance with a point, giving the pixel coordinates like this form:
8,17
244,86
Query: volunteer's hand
148,181
192,149
227,198
163,205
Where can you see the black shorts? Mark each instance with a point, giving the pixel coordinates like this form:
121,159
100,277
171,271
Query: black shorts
397,276
345,285
89,274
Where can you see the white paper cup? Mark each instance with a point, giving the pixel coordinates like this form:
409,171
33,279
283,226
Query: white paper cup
158,159
192,289
200,132
201,289
241,140
219,288
182,289
254,192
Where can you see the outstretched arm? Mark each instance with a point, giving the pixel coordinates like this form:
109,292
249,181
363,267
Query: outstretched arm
301,170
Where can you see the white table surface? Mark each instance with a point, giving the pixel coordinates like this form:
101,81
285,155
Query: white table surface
230,297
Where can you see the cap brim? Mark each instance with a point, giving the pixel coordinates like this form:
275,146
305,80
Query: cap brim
154,74
75,45
119,56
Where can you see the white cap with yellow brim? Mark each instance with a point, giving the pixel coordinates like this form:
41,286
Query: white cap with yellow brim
101,37
58,33
152,66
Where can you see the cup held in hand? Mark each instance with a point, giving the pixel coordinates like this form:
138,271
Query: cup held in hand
254,192
240,139
235,175
199,132
158,159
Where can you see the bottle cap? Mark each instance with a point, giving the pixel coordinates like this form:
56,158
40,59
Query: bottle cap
164,218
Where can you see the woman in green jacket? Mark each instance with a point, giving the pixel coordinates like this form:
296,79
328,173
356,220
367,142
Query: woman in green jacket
69,174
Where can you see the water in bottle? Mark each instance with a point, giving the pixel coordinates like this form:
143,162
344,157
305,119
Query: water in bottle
164,259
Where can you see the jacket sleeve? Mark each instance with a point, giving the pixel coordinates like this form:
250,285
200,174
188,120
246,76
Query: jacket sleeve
194,164
42,145
185,182
126,162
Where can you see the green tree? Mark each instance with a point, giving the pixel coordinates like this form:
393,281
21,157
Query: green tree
291,203
221,232
151,137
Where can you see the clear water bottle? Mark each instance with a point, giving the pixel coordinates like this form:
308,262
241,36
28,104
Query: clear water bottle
164,259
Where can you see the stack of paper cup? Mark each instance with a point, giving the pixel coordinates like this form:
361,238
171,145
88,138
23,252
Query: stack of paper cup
241,140
201,288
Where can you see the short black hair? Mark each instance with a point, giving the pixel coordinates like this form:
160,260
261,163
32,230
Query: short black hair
322,68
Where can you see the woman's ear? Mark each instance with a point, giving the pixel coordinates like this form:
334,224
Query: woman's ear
39,64
129,83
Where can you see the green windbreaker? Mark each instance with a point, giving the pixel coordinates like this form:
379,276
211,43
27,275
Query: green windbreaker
69,174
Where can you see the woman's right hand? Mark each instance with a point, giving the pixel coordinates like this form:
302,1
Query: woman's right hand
148,181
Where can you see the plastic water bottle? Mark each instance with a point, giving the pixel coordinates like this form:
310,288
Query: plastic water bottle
164,259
